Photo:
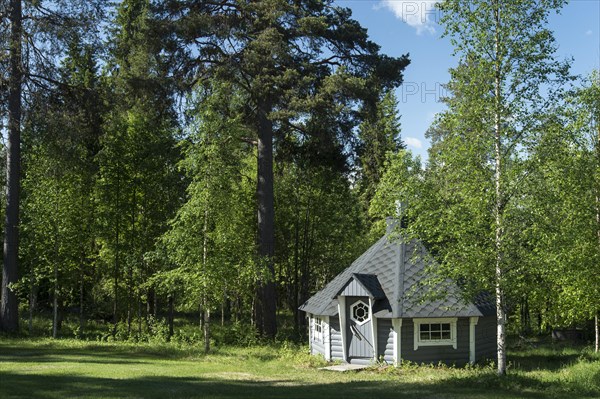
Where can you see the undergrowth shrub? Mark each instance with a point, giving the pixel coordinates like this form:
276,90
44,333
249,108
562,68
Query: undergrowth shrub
583,376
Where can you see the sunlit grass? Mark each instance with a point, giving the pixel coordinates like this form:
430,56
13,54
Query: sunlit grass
45,368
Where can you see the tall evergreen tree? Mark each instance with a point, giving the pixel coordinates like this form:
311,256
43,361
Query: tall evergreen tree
46,26
284,55
379,134
9,319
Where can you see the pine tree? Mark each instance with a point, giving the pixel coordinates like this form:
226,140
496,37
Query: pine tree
46,26
287,57
379,135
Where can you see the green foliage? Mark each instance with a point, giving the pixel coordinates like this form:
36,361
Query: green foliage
379,134
60,142
320,230
302,70
138,186
211,239
398,187
471,211
565,198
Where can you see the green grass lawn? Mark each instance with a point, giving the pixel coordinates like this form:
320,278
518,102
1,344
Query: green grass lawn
45,368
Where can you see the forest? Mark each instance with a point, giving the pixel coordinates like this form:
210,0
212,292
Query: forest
222,160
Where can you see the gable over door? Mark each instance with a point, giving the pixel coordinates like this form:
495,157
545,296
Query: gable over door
359,329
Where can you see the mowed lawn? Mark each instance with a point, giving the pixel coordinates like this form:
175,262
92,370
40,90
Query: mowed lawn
74,369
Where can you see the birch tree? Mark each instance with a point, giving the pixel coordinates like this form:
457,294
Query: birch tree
567,200
138,186
506,79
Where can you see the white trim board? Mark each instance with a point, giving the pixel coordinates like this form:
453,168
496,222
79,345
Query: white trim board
441,342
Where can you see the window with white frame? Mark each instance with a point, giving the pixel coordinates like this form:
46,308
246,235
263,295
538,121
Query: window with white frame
435,332
359,312
317,329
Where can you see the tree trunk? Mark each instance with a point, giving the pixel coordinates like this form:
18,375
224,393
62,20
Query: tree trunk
597,187
55,303
205,315
83,262
206,329
56,262
223,306
597,330
130,286
201,315
32,301
305,262
139,317
238,308
9,318
498,206
116,266
266,221
81,299
296,293
150,308
254,318
171,316
525,318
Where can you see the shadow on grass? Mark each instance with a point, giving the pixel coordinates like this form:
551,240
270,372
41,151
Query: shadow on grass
92,353
478,384
552,362
46,387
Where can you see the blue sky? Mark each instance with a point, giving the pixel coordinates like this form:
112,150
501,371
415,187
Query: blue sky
401,27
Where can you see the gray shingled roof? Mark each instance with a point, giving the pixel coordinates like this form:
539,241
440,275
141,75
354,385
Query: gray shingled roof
395,272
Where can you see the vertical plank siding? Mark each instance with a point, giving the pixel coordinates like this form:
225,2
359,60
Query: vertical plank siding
354,289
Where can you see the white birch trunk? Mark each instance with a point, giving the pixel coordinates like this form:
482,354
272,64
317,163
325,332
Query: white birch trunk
597,331
500,313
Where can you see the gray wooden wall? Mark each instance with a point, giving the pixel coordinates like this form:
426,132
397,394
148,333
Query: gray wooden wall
433,354
485,338
337,352
385,340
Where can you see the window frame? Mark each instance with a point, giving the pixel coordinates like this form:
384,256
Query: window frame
368,309
317,333
418,322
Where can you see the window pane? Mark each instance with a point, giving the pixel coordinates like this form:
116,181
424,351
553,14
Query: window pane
436,335
424,327
424,336
446,327
446,335
435,327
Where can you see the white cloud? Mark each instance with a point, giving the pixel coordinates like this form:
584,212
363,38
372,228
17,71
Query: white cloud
413,142
589,32
420,14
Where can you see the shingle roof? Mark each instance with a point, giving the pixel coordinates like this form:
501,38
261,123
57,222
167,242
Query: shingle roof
395,271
